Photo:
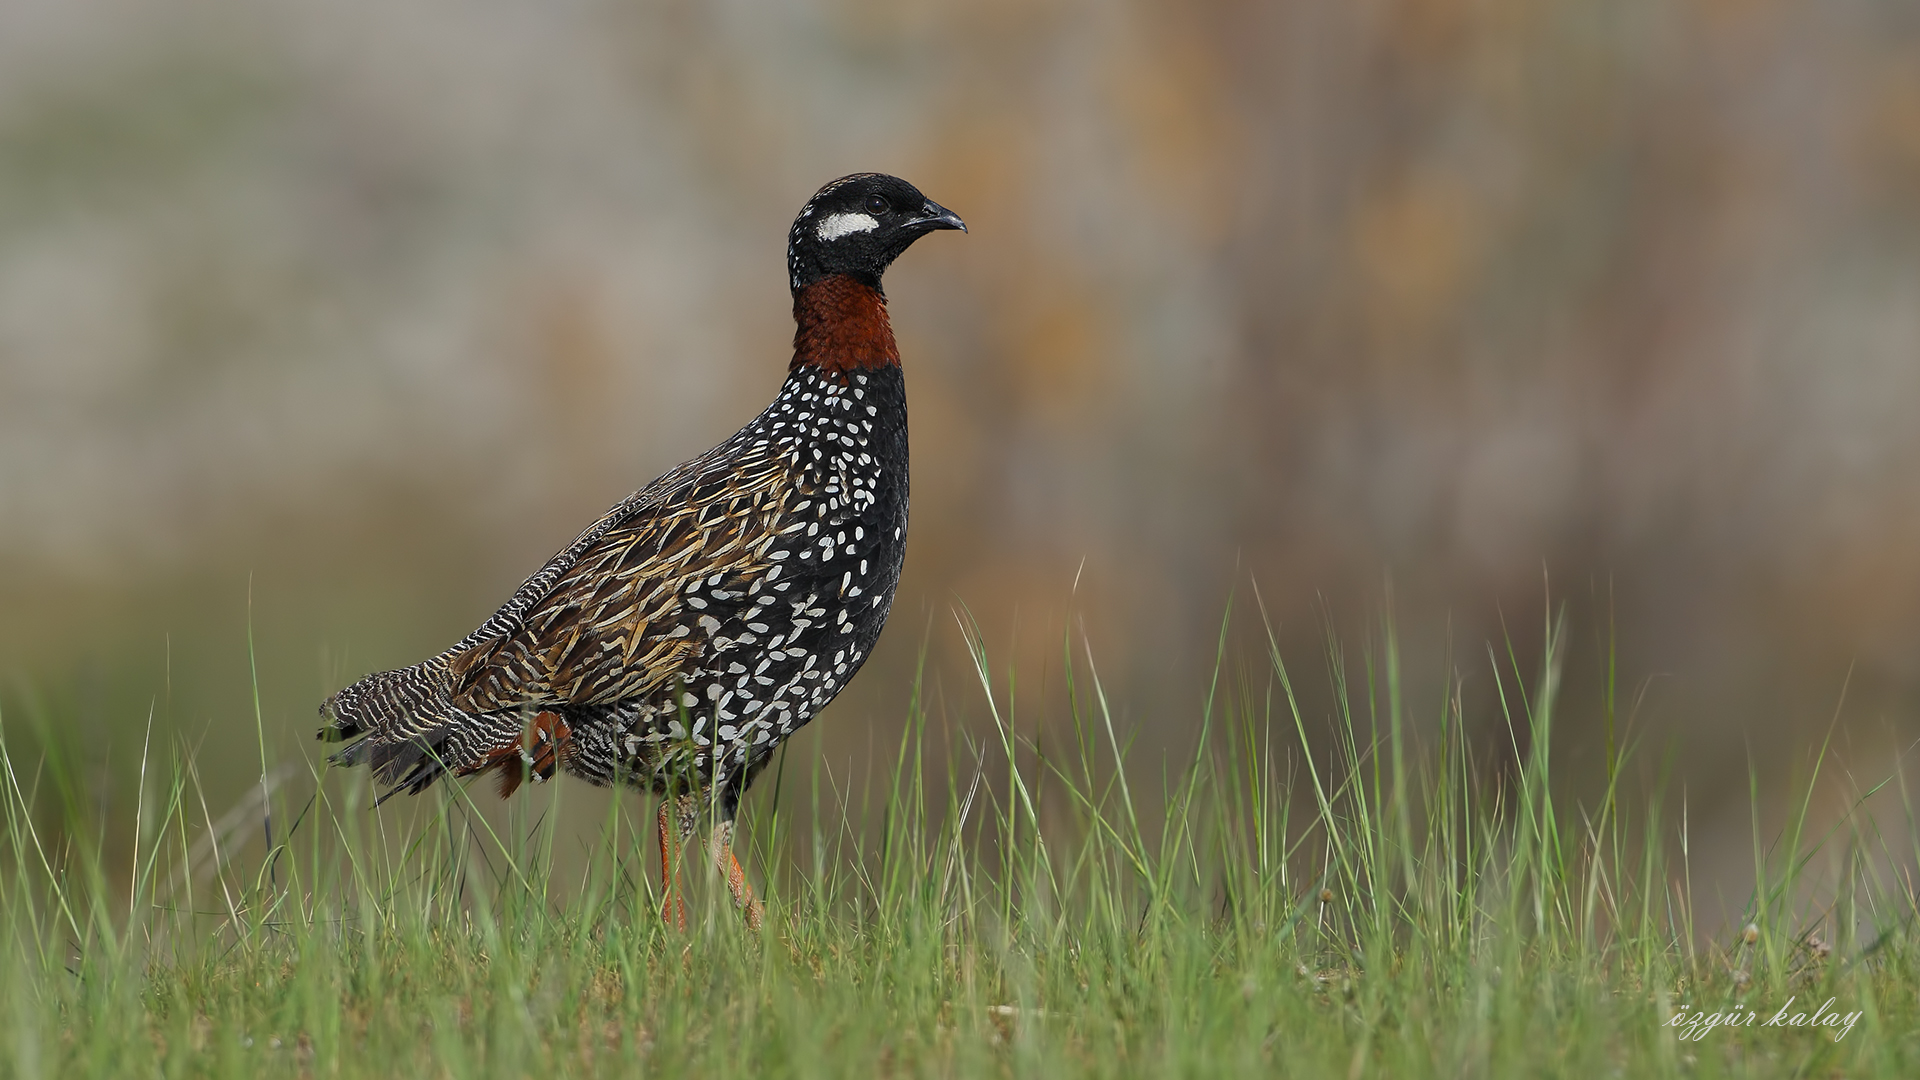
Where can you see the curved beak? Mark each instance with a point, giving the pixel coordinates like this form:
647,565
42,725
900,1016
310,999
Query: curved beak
934,216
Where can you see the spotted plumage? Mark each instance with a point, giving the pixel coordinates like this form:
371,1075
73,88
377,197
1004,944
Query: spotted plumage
704,619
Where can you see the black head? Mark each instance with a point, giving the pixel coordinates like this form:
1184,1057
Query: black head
859,224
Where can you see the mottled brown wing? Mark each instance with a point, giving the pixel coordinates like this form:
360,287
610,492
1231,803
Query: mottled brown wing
618,624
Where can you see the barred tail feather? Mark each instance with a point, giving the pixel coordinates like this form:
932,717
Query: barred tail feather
401,725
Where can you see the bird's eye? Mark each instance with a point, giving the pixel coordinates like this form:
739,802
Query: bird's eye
877,204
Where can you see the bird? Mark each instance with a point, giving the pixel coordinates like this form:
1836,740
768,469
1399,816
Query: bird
700,622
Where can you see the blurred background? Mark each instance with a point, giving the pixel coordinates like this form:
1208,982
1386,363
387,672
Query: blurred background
330,322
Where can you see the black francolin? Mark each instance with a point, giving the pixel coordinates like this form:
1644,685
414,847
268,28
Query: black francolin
703,620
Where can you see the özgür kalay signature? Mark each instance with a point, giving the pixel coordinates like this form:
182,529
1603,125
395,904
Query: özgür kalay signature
1693,1025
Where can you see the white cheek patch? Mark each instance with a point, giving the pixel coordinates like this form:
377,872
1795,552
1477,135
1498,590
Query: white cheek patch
839,225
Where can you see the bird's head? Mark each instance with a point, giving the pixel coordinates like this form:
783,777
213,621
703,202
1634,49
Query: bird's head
858,225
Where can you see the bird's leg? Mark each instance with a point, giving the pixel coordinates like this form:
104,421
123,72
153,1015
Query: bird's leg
720,846
672,910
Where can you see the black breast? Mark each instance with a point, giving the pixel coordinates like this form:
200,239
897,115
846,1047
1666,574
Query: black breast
782,640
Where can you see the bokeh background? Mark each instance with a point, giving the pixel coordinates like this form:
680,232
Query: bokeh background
329,322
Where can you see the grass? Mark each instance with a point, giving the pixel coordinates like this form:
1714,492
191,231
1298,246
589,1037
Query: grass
1367,895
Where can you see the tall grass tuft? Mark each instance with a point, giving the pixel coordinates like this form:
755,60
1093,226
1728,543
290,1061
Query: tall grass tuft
1373,891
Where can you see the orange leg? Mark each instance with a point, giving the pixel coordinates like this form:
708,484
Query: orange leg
721,848
672,911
